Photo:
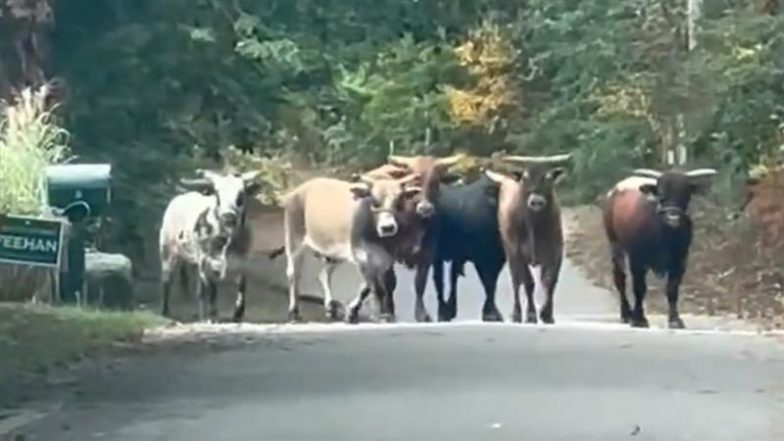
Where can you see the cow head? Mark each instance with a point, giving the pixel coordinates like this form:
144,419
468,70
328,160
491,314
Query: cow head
430,172
673,190
387,198
538,177
231,192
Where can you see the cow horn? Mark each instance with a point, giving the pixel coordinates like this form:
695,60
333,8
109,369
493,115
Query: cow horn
250,176
449,161
204,173
367,180
701,173
401,161
647,173
196,183
406,179
553,159
496,177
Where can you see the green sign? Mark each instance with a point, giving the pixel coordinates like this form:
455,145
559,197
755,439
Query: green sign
30,240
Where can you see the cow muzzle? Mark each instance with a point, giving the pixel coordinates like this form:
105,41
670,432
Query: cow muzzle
671,216
386,225
536,202
425,208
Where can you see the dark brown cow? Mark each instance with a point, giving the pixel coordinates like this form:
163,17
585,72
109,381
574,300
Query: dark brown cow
412,247
646,219
529,218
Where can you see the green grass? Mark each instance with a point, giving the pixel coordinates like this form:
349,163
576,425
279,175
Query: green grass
35,337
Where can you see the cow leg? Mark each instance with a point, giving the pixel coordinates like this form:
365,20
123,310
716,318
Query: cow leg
549,276
212,291
352,310
420,283
185,271
390,283
455,270
201,295
438,281
166,276
488,275
293,273
521,275
239,303
325,279
673,285
619,278
639,287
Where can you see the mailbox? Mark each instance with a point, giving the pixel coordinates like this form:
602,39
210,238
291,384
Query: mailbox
81,184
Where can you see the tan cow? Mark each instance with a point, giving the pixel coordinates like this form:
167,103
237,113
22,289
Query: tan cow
529,218
345,221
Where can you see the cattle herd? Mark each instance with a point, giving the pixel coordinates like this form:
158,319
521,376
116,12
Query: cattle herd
416,212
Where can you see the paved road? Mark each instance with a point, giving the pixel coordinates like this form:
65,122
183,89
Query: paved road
464,381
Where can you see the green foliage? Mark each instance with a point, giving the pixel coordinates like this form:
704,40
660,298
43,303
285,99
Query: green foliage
30,140
36,337
157,89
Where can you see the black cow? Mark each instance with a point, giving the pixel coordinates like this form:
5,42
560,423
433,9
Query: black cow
465,229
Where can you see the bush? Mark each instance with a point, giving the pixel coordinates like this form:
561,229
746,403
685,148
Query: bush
29,141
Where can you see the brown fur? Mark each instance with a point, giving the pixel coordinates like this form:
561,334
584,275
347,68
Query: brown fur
415,249
531,237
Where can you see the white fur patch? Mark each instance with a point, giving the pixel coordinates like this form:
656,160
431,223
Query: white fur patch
631,183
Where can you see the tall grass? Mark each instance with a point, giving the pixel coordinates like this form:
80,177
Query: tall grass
30,140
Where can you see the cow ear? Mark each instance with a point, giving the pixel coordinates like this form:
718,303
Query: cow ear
518,175
252,188
556,174
648,189
360,190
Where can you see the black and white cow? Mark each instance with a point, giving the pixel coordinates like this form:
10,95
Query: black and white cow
206,230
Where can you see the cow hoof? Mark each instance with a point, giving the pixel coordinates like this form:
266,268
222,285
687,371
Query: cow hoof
531,318
676,323
352,316
423,317
443,316
295,317
547,317
625,320
517,316
493,316
387,318
333,311
639,322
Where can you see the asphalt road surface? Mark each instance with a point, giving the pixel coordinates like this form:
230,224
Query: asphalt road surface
465,381
585,378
